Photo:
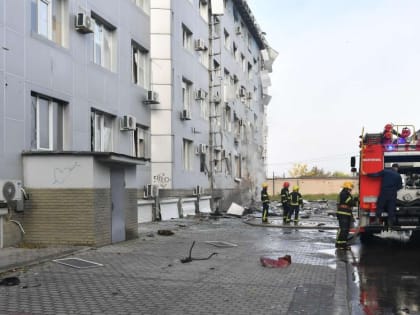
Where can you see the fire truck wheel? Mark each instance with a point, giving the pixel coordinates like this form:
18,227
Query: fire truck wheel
415,236
366,238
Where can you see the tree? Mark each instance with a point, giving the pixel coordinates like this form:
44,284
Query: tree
301,170
298,170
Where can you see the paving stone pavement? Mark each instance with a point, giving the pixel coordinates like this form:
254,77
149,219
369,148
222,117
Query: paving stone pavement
146,276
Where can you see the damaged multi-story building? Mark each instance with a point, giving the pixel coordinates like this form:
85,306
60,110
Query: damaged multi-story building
119,112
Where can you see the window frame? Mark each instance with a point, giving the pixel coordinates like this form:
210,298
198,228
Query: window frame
50,125
187,36
187,89
104,39
204,10
54,120
99,131
50,20
141,65
187,154
142,150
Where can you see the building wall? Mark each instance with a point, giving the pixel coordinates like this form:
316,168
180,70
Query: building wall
66,72
172,64
68,216
31,63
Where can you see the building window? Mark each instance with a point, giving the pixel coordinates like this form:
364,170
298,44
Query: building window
204,109
143,4
48,123
102,131
235,51
141,142
103,48
186,38
204,10
187,154
238,167
204,58
186,94
228,161
243,63
50,19
228,118
140,70
226,85
227,40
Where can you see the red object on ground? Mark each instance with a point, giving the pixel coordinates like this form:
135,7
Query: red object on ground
280,262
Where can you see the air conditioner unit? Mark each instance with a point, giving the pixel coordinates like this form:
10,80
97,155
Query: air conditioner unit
151,98
238,30
128,122
200,45
200,95
149,191
185,114
83,23
10,190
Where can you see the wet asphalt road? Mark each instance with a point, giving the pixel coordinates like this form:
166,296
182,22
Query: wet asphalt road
385,275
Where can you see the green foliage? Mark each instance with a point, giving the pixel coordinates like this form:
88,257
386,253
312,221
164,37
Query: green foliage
301,170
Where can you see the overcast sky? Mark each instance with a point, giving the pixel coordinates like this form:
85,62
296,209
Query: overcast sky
342,66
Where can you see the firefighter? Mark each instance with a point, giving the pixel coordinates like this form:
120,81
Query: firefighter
344,215
265,202
391,183
296,202
285,200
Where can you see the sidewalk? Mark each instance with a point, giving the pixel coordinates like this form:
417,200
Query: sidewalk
12,258
146,275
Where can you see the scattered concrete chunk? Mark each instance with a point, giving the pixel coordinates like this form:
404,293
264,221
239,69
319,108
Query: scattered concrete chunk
236,210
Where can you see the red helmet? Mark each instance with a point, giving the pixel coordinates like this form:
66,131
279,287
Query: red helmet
388,127
286,184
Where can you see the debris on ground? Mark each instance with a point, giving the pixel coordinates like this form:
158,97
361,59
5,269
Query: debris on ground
236,210
280,262
165,232
78,263
10,281
190,258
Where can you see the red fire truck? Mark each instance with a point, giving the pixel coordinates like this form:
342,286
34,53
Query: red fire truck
395,144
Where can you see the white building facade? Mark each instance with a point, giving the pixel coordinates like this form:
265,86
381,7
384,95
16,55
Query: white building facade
210,65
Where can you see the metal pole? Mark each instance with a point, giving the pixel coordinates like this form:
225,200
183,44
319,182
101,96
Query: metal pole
273,185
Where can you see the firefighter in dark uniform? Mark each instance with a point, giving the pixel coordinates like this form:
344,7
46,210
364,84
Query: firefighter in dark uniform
265,203
285,200
344,215
296,202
